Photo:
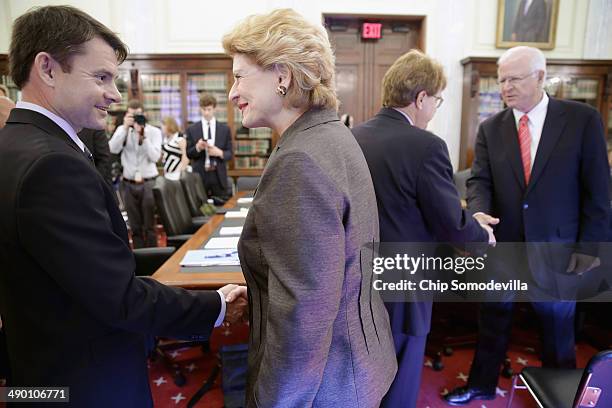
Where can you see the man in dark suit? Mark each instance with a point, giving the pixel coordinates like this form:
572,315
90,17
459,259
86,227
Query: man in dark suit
74,313
97,143
417,199
531,23
209,145
541,167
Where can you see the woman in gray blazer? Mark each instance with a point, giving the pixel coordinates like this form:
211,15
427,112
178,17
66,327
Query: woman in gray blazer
319,333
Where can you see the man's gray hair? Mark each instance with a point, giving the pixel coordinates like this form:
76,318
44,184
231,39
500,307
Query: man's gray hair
535,55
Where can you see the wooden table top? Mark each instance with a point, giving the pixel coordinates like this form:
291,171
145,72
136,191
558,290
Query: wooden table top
170,272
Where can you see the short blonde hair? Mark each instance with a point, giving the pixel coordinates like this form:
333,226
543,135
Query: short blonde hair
410,74
285,39
171,125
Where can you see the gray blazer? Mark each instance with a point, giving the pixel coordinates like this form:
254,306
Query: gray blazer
320,334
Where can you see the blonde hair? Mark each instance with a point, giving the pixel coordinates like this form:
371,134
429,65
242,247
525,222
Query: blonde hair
284,39
410,74
171,125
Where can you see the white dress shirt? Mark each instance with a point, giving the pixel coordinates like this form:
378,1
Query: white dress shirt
135,157
537,115
213,132
66,127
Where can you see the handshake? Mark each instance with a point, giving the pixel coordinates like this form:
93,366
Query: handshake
236,304
486,222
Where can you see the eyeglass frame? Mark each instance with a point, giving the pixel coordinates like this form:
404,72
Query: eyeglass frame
439,100
514,80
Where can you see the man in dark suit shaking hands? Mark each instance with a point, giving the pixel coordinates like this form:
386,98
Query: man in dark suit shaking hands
417,199
541,167
209,145
74,313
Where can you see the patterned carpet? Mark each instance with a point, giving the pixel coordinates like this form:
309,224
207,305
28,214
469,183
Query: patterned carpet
198,365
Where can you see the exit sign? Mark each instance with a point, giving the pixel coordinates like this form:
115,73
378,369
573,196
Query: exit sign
371,30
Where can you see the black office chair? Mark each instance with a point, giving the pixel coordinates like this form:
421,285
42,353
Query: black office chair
174,211
569,388
148,260
247,183
195,193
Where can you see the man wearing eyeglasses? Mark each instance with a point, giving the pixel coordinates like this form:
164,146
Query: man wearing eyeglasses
416,197
541,167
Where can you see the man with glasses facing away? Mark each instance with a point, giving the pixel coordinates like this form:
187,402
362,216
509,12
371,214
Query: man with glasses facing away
540,166
416,197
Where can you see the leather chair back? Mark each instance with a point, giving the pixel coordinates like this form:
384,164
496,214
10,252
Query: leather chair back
172,206
247,183
195,194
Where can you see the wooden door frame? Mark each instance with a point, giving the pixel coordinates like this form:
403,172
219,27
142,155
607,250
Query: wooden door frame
421,21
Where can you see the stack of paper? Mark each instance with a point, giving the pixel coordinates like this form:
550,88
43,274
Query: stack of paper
237,214
230,231
211,257
222,243
245,200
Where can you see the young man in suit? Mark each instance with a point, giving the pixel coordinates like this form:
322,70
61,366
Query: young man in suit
209,145
74,313
411,171
541,167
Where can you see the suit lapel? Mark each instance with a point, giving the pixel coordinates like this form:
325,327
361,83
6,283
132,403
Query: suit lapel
42,122
551,132
511,146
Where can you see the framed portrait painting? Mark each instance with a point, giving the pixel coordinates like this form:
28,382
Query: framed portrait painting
527,22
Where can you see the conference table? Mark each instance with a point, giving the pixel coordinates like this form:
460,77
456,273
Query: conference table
211,277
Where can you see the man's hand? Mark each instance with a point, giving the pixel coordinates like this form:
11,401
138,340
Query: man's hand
128,120
214,151
237,305
581,263
485,221
201,145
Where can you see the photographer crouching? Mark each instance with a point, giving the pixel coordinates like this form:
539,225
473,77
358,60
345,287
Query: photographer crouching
140,148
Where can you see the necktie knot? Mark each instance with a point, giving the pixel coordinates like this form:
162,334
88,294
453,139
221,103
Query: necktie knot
524,120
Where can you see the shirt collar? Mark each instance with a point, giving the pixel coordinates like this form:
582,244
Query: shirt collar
212,121
405,115
56,119
539,109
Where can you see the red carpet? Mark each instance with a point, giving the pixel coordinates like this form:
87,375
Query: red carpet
198,366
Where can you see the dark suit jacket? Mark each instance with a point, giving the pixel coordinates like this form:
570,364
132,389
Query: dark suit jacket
417,199
223,140
533,26
74,313
320,334
567,197
97,143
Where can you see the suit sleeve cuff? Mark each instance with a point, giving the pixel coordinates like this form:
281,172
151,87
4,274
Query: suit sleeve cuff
222,312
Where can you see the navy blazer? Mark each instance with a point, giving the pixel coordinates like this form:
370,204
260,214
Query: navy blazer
223,140
416,196
567,198
75,314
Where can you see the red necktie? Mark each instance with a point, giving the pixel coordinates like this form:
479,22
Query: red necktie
525,144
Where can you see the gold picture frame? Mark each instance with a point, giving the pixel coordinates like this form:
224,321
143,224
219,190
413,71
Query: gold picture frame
527,22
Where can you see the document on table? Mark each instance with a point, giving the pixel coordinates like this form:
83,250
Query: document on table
230,231
245,200
222,243
237,214
211,257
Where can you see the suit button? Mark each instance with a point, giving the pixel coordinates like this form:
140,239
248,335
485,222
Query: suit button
525,206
